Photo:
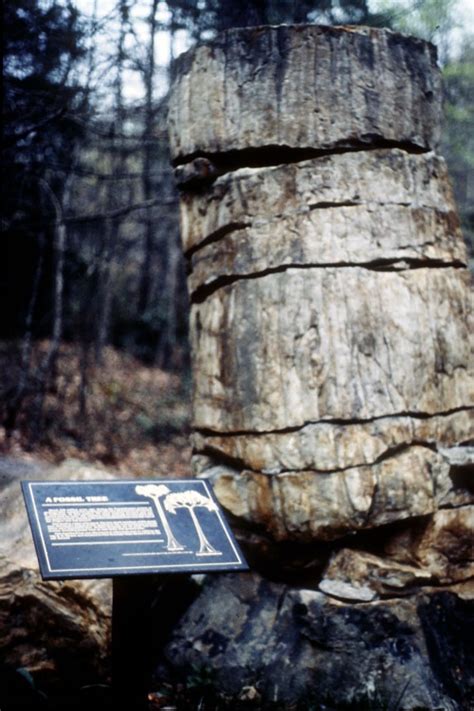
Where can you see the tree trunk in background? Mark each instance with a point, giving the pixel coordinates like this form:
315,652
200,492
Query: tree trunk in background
114,199
23,381
46,371
105,284
330,338
147,185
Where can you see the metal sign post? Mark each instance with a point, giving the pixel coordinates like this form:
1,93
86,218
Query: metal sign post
132,642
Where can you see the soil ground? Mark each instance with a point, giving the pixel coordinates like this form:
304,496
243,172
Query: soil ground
135,420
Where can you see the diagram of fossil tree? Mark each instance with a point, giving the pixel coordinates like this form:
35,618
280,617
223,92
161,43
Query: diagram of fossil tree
188,499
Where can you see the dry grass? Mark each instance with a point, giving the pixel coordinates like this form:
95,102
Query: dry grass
136,421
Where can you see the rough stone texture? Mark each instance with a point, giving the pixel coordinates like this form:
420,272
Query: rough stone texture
349,344
461,459
362,577
443,544
456,489
60,632
304,87
367,235
300,645
375,179
328,446
444,556
308,505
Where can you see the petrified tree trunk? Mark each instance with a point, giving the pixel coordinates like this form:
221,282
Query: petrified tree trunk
330,320
330,295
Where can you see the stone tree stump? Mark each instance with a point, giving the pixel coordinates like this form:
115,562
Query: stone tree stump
330,321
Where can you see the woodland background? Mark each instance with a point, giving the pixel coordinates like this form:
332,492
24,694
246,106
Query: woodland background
93,327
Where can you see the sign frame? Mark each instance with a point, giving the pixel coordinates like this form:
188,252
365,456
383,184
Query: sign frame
59,513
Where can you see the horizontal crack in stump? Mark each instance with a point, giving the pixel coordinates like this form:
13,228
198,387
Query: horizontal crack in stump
194,173
333,421
380,265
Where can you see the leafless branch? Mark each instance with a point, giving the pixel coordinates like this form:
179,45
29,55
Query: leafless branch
120,212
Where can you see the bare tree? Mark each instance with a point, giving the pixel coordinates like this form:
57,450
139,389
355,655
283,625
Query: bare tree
155,492
191,500
107,264
148,77
47,367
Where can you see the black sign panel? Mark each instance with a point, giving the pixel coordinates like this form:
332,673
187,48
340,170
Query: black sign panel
108,528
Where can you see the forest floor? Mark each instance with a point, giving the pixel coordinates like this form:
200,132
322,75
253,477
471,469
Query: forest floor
134,418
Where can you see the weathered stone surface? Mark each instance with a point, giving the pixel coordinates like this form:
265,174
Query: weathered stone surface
460,458
253,197
457,488
360,576
327,446
310,505
349,344
304,87
301,646
366,235
60,632
443,544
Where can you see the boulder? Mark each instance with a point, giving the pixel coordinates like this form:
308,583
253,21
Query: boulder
301,646
59,632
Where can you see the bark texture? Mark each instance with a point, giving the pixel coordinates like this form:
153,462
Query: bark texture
331,311
305,345
331,332
376,179
304,87
309,505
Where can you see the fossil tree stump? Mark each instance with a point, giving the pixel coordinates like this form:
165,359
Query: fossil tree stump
331,316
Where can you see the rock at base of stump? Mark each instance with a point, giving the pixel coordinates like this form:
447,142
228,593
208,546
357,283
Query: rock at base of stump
302,647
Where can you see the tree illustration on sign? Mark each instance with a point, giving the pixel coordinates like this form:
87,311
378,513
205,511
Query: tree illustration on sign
155,492
191,500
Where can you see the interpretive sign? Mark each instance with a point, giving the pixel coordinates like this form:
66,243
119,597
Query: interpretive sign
109,528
